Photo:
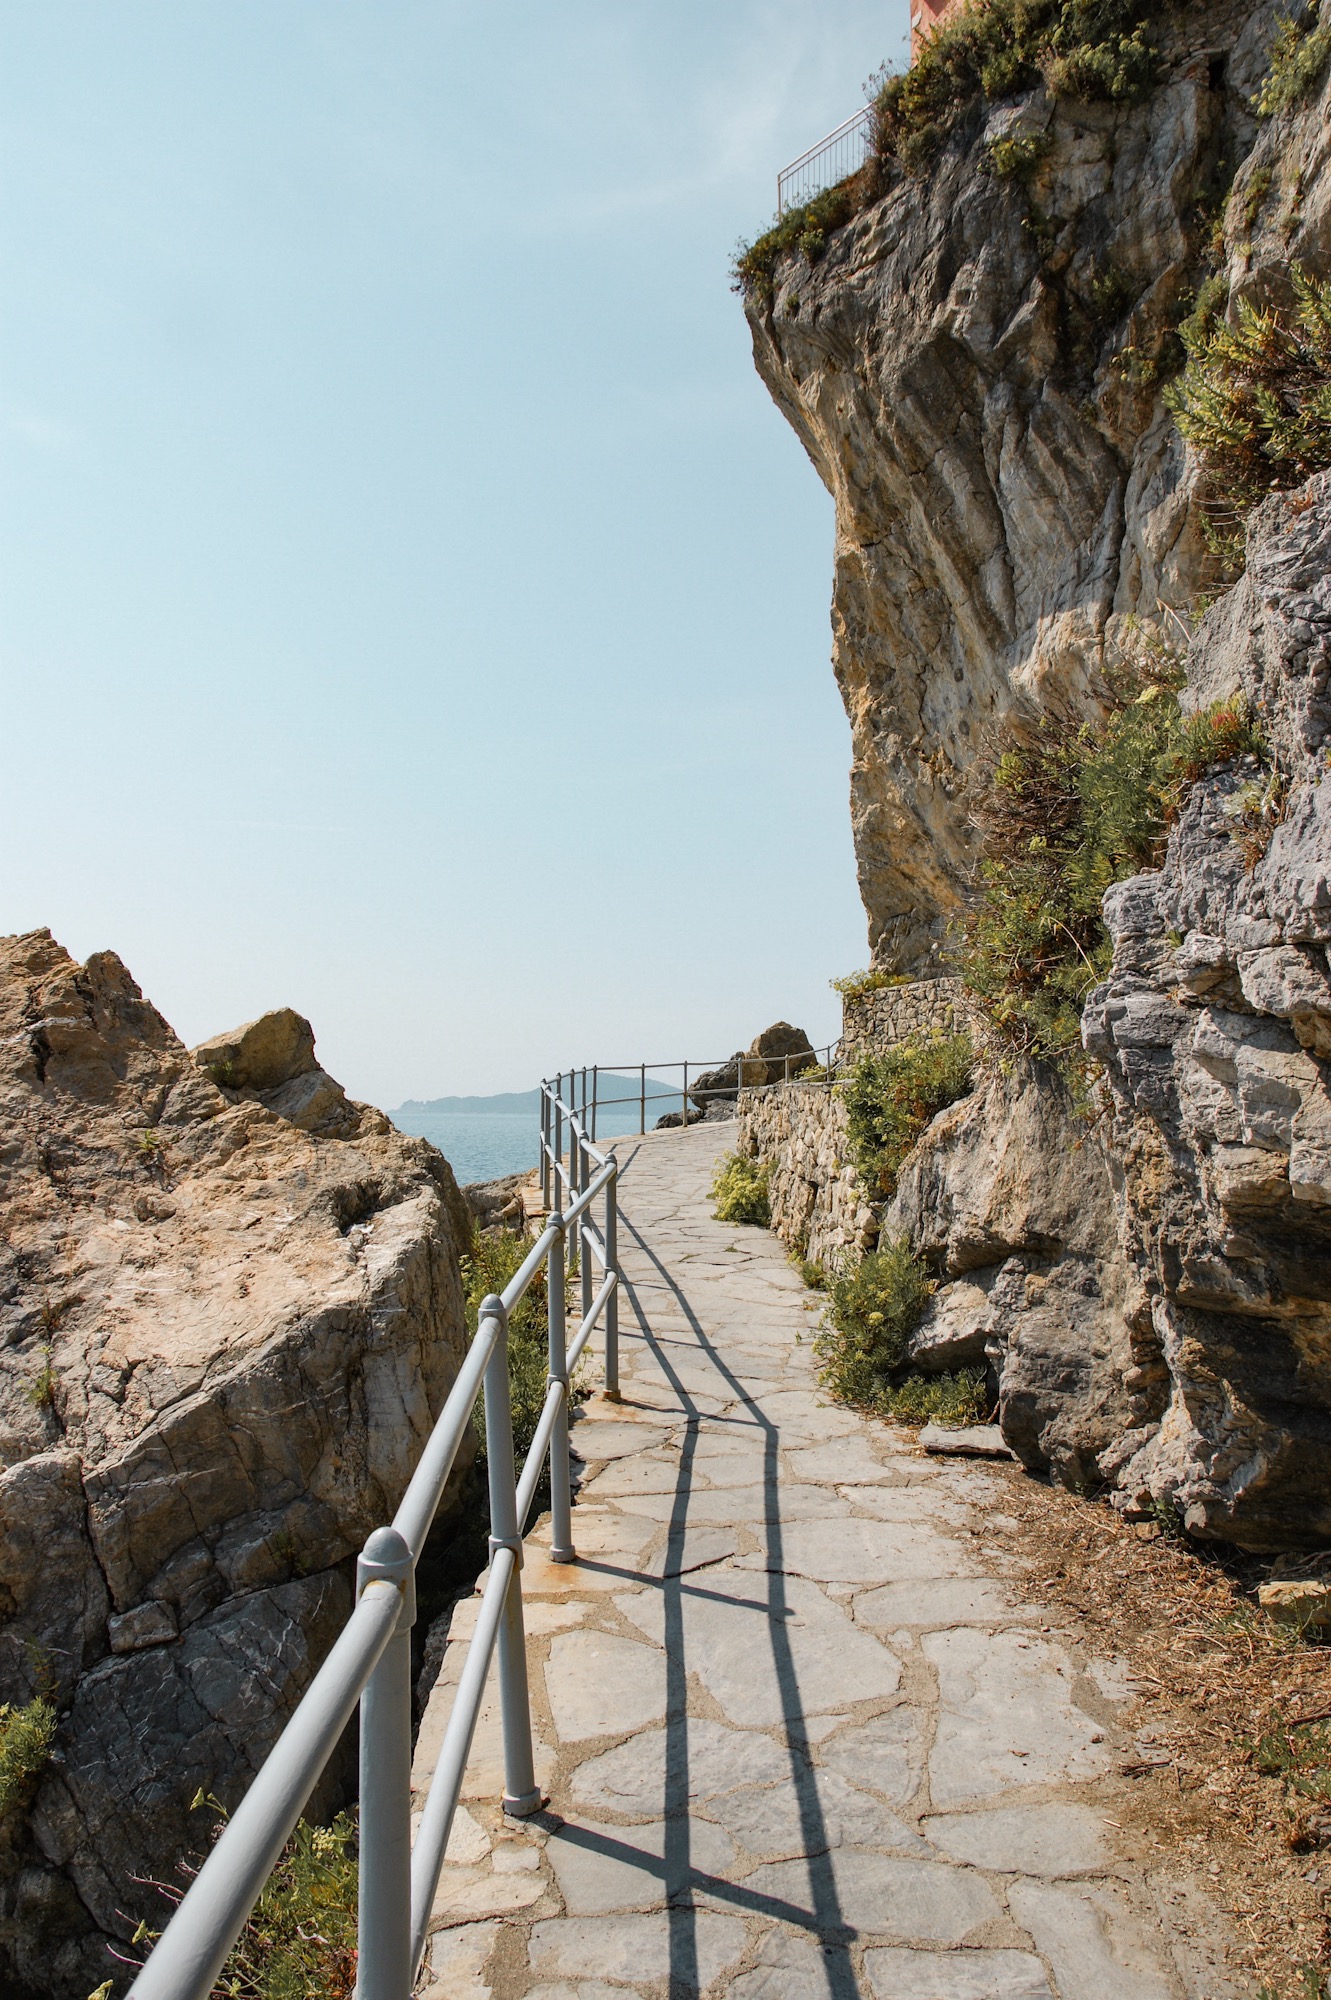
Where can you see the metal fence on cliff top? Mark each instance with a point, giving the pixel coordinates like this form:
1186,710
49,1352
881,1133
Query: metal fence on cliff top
833,159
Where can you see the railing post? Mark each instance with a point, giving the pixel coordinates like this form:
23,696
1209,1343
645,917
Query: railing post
642,1098
561,1498
596,1075
612,1264
522,1795
684,1113
384,1916
545,1147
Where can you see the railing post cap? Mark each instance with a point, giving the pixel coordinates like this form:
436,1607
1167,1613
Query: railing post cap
492,1307
386,1558
386,1549
554,1220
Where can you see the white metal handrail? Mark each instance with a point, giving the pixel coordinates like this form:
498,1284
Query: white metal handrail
370,1662
842,153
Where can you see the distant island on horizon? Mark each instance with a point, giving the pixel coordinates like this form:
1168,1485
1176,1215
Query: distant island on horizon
518,1101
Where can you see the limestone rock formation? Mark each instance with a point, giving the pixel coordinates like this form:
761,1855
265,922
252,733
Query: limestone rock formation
972,366
1215,1029
226,1325
976,365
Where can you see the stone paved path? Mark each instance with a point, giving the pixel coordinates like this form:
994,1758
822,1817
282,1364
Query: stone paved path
801,1735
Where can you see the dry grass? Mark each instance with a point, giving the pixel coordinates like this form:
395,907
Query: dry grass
1224,1696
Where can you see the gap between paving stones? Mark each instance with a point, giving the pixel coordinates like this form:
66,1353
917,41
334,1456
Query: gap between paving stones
802,1735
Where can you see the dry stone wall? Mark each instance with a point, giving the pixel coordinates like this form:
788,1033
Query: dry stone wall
819,1207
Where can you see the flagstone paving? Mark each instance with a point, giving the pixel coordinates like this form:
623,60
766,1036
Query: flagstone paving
803,1734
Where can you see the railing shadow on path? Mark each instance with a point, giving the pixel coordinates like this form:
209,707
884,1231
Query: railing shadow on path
681,1881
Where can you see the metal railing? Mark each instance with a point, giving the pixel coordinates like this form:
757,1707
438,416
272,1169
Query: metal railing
370,1662
833,159
584,1090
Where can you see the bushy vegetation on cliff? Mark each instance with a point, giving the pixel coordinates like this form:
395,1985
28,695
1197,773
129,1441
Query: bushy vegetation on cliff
991,50
1063,814
1255,399
892,1095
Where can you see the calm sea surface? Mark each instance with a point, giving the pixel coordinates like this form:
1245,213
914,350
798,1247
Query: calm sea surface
483,1145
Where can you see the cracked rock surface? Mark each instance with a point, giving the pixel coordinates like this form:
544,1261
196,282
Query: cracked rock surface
801,1730
224,1335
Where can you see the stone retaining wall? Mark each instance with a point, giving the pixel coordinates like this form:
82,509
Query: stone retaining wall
888,1014
799,1129
818,1206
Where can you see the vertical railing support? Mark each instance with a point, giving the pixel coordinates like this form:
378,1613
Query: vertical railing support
384,1917
612,1264
642,1098
684,1102
545,1148
561,1497
522,1795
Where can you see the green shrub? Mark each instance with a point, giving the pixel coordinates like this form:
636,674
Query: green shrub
1017,156
493,1261
855,985
1298,57
1062,816
300,1940
874,1309
805,229
997,48
958,1398
26,1735
739,1190
994,49
1255,399
890,1098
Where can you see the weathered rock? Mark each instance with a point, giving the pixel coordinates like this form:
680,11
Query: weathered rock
1298,1602
779,1053
1006,480
1213,1051
225,1337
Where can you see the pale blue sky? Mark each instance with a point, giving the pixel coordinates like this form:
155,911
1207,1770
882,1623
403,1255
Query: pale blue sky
391,514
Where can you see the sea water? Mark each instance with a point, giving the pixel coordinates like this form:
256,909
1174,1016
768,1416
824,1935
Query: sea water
484,1145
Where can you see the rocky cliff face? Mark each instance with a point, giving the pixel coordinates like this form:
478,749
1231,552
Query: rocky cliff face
975,368
971,367
1215,1030
231,1308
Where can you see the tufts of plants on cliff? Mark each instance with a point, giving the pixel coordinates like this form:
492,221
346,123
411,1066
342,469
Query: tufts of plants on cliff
1062,815
1299,55
994,49
891,1097
1255,401
991,50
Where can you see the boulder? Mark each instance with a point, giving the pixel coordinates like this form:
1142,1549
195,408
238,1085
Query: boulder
224,1337
780,1052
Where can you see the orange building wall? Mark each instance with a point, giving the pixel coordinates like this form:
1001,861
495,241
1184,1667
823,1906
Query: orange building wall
924,18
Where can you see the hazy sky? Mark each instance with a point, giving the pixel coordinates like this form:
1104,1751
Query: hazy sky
414,609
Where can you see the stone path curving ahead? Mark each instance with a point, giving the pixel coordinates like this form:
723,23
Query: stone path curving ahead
801,1734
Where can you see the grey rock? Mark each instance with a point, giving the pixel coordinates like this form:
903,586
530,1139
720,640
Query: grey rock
969,1441
145,1625
955,1975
